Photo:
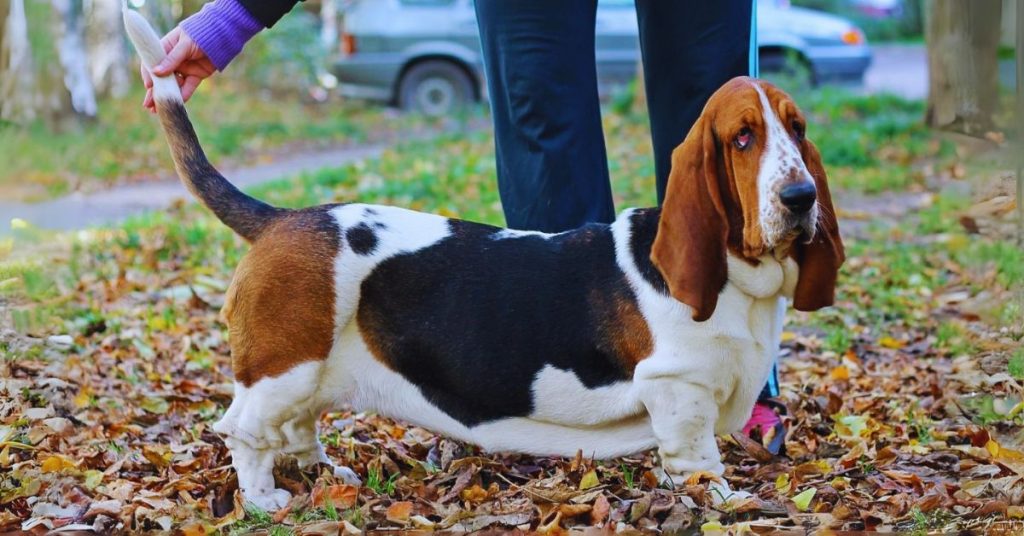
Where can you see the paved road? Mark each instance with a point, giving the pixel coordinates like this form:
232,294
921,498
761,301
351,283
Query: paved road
899,69
77,210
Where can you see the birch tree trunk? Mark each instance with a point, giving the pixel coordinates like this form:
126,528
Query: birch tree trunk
18,100
329,25
963,42
73,57
109,62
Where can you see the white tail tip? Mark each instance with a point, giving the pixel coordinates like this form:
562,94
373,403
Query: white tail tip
147,43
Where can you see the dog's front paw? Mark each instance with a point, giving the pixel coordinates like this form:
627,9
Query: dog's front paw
270,501
718,489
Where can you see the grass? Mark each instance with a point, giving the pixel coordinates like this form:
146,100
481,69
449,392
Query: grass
255,519
124,144
924,523
375,480
1015,366
954,338
870,143
628,475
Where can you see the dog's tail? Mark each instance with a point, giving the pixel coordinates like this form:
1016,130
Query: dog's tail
245,215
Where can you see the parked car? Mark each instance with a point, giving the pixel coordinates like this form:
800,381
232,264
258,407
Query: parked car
425,54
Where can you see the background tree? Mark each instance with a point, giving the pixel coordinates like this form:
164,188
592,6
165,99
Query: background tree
43,62
74,59
110,64
17,100
963,45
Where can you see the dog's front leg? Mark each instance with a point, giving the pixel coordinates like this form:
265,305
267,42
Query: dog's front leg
683,416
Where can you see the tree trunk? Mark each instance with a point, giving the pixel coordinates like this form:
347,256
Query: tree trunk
18,100
963,42
109,62
5,9
73,57
329,25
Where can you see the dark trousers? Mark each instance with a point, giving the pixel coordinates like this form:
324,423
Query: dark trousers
542,81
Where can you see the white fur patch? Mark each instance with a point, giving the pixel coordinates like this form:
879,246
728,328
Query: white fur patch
781,159
515,233
147,43
561,398
403,231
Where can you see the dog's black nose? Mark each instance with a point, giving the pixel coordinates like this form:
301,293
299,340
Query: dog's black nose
798,197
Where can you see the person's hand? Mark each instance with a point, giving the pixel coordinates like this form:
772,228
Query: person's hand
185,59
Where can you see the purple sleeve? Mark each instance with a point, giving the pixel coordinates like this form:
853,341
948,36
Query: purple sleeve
221,29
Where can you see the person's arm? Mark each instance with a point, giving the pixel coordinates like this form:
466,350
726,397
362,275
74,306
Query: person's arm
208,40
268,12
220,30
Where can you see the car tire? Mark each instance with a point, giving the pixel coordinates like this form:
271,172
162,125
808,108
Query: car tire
435,88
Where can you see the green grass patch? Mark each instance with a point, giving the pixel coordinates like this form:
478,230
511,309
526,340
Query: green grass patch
1015,366
126,143
868,143
954,338
257,519
376,481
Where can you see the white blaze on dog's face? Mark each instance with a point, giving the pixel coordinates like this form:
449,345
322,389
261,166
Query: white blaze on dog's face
787,196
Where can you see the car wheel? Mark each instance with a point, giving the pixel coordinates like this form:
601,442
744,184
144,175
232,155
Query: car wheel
435,88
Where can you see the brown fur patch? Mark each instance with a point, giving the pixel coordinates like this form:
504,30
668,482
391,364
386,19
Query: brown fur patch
280,306
622,329
369,321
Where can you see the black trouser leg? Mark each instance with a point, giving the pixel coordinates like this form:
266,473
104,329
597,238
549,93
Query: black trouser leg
542,80
690,48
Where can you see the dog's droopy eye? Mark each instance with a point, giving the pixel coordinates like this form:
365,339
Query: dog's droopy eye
743,139
798,130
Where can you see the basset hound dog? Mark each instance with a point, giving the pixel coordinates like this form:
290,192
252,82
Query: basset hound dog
657,330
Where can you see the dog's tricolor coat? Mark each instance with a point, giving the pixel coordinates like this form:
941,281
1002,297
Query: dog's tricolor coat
657,330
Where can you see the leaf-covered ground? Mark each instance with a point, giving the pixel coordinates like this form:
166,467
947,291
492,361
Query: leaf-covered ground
905,399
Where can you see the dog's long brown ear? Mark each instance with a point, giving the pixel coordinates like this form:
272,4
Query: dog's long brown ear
689,248
820,259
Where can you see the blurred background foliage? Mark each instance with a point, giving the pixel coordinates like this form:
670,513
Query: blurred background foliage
908,25
286,59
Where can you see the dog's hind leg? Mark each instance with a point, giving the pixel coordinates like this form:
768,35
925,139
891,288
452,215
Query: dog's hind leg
302,443
255,469
261,424
280,310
